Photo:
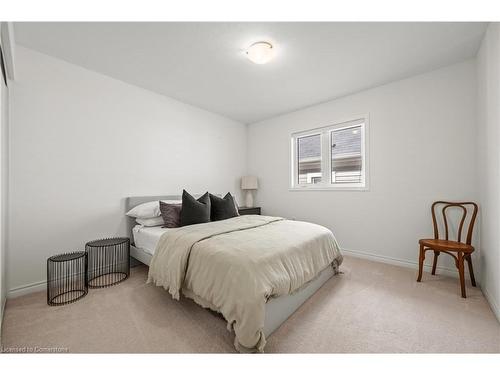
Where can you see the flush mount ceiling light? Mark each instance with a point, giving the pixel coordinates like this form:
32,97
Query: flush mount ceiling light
260,52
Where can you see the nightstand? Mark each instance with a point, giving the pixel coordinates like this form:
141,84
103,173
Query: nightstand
249,210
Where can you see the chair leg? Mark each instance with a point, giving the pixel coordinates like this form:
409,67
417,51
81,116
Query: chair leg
434,264
461,273
421,259
471,271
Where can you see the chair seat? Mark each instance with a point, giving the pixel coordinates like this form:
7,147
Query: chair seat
445,245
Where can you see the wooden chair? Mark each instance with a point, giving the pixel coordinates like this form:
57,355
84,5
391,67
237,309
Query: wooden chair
459,250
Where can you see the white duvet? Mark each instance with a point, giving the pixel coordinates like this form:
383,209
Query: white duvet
234,266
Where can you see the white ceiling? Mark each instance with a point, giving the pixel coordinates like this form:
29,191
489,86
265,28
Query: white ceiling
204,64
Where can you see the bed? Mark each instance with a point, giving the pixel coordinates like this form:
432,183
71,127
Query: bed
179,259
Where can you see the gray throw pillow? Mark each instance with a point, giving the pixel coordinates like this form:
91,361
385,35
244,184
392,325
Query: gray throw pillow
171,214
222,208
195,211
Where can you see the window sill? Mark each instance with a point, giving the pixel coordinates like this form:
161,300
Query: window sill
339,188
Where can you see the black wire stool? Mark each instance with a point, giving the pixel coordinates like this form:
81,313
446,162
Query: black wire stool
66,278
108,261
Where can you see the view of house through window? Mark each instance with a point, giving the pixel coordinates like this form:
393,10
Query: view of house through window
309,163
330,157
346,155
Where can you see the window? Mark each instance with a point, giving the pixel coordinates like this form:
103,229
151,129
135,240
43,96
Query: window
346,160
333,157
309,159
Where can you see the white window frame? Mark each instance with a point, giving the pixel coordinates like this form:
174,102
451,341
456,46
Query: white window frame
326,172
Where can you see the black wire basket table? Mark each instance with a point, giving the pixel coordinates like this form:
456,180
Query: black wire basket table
66,278
108,261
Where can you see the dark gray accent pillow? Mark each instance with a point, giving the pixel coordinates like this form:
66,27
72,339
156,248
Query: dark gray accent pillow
171,214
222,208
195,211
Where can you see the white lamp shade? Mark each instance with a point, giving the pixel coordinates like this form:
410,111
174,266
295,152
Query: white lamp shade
249,183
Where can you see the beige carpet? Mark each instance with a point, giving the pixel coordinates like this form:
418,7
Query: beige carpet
370,308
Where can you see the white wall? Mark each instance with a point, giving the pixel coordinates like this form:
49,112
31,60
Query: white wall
8,54
4,154
422,149
81,142
488,79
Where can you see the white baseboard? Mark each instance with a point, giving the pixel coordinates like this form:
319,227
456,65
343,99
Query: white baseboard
453,272
27,289
493,304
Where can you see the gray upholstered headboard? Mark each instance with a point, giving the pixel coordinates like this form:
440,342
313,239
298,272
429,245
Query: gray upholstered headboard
131,202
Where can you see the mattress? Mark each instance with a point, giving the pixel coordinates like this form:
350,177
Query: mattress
146,238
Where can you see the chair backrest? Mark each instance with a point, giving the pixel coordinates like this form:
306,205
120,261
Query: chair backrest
468,208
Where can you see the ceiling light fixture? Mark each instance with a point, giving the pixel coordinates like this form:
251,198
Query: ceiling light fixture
260,52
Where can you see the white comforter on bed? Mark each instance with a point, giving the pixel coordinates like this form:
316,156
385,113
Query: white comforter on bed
233,266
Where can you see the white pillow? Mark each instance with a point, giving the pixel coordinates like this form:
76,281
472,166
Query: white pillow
149,209
235,204
150,222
